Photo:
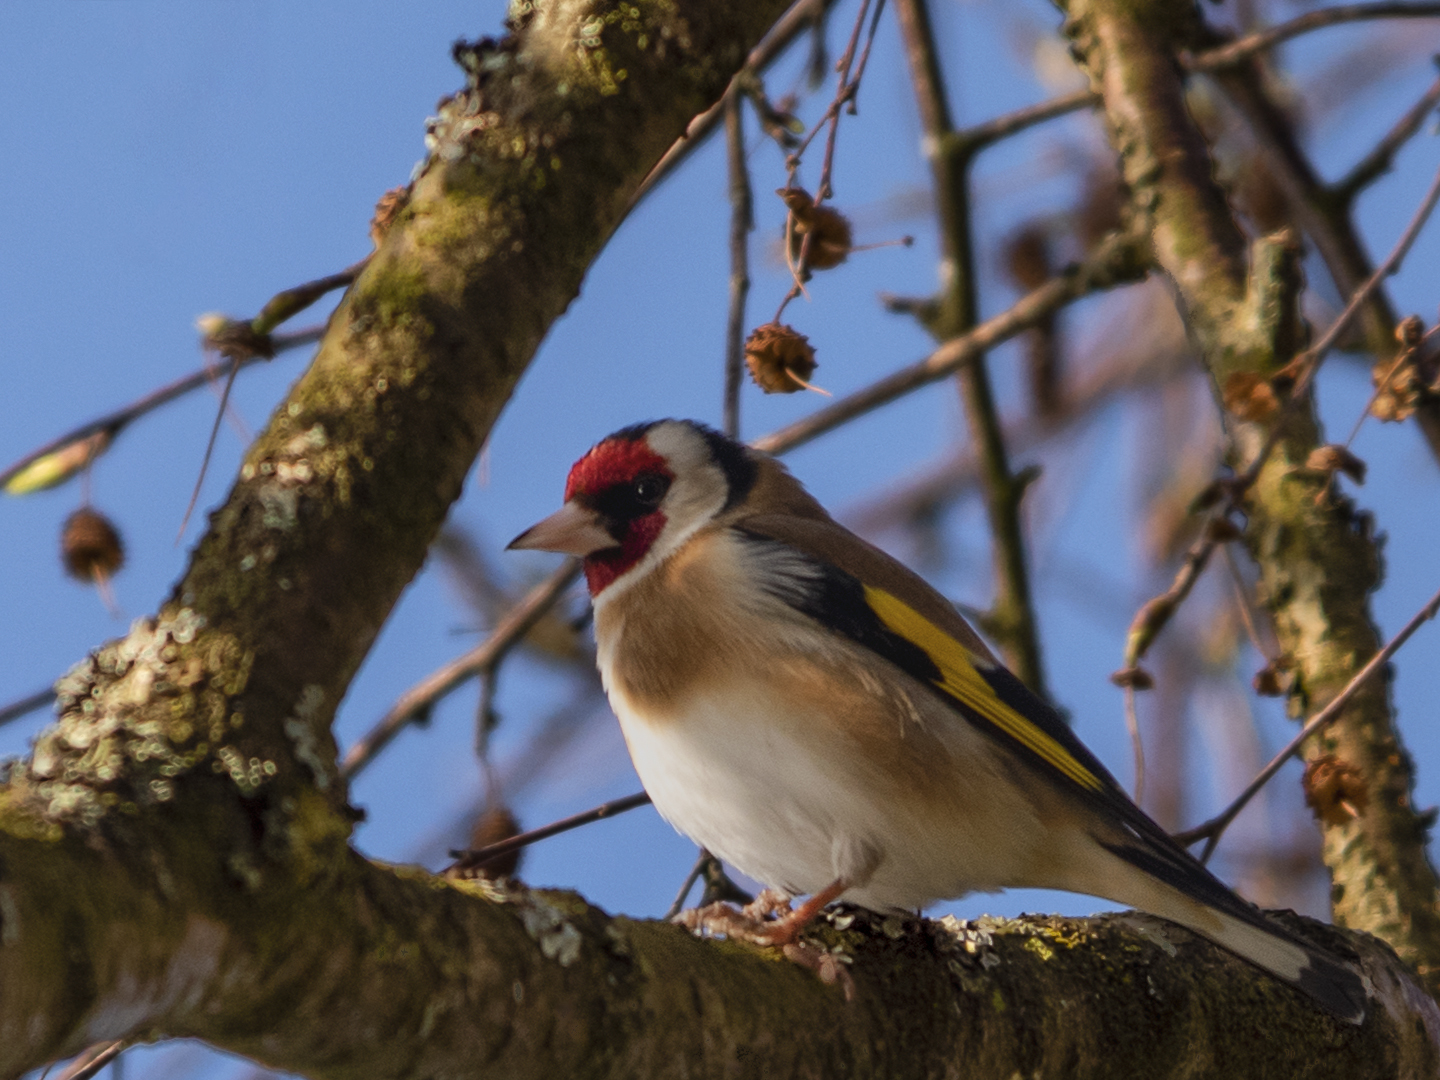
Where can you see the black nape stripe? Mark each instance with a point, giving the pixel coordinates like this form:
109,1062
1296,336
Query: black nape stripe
736,461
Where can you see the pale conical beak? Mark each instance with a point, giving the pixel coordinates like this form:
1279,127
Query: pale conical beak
571,530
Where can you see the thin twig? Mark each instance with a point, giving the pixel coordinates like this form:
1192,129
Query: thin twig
932,491
286,304
113,423
846,89
1237,50
678,904
741,222
92,1060
1326,218
843,89
237,341
1114,261
981,135
800,18
1012,621
847,95
1137,745
1378,161
209,448
26,705
1001,127
421,697
1242,603
1157,612
480,856
1212,830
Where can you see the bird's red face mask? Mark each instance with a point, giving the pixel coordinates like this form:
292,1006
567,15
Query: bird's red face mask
612,514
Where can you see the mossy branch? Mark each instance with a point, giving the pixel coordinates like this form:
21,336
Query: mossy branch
375,971
1317,554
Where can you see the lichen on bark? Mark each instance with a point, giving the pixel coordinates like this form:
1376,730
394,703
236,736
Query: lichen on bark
1318,557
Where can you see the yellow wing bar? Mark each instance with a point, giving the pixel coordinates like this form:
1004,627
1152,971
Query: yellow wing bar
961,680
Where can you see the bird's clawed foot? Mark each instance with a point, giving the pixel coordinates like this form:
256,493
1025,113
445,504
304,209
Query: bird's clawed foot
753,923
770,921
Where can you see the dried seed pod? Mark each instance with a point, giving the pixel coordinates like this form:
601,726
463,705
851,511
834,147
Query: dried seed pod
494,825
1410,331
1336,458
386,210
90,546
1399,383
828,229
1273,680
781,360
1136,678
1250,397
1334,790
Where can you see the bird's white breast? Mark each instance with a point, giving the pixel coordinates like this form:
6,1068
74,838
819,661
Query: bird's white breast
727,774
796,761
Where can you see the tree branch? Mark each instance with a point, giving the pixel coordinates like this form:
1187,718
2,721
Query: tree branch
1011,620
1117,260
112,423
1263,40
484,657
1316,553
389,972
1210,831
741,222
1381,157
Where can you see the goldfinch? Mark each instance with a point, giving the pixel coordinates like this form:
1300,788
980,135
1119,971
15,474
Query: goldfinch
816,715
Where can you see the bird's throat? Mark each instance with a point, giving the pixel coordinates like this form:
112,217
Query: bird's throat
603,567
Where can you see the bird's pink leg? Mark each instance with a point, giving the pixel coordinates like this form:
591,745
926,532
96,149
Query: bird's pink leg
786,930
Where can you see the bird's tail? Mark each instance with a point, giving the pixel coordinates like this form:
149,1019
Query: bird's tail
1234,924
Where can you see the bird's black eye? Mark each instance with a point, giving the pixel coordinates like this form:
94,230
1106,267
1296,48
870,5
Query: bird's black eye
628,500
650,488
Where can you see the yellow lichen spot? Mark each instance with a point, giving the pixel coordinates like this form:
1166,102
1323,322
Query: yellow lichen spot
1039,948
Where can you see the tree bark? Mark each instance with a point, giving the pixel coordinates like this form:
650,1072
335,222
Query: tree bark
1317,554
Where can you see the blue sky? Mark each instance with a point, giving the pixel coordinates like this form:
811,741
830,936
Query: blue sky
159,161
